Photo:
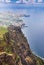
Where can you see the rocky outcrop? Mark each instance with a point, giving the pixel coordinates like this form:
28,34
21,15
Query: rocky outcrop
16,50
20,44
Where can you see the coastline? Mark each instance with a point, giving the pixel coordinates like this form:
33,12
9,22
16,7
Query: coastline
37,55
21,6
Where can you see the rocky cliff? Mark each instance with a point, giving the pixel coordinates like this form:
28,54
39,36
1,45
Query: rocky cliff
15,50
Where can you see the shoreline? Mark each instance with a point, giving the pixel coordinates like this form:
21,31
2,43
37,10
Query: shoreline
38,55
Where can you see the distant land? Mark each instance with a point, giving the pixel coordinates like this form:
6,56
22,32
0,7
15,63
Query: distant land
18,6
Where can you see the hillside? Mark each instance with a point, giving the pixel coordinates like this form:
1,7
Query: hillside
15,50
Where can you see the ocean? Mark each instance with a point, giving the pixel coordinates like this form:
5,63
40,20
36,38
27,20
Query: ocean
34,30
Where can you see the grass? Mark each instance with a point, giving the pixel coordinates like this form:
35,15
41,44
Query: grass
2,31
40,61
3,43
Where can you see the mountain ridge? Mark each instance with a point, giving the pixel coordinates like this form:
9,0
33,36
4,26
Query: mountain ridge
15,50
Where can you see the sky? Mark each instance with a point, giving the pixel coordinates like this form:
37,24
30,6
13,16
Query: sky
22,1
14,0
9,0
32,0
19,0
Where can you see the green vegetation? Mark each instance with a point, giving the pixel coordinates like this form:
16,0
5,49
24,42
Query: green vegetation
4,63
40,61
2,31
2,43
17,59
8,49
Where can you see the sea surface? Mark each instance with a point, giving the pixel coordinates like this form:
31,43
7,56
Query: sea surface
34,30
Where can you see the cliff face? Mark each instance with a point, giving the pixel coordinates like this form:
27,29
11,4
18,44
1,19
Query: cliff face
15,49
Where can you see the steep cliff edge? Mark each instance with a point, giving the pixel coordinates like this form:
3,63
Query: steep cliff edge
15,50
